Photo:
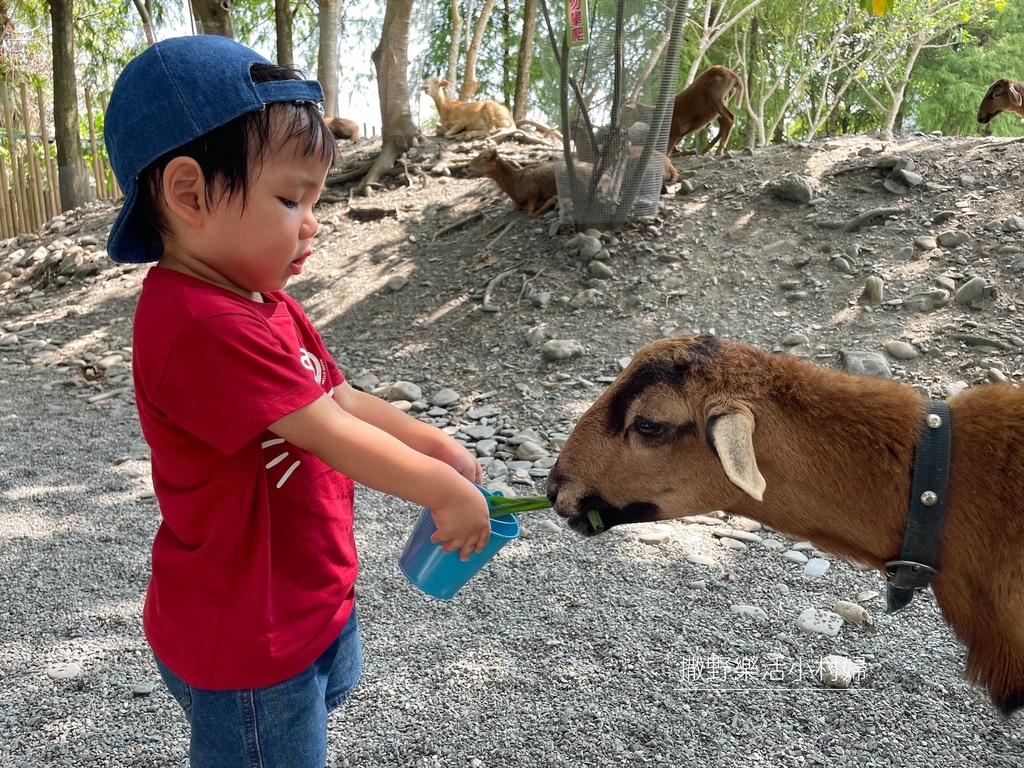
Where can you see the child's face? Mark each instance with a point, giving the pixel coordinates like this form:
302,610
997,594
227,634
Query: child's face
259,248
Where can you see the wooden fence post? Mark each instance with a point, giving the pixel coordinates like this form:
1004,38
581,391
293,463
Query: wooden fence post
35,196
52,193
18,182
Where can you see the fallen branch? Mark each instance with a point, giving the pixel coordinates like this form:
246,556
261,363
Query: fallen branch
498,236
371,214
868,218
457,224
993,145
351,171
528,281
494,283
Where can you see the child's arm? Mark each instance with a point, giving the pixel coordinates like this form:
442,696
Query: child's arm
369,454
414,433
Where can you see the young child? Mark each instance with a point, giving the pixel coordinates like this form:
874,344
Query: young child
255,436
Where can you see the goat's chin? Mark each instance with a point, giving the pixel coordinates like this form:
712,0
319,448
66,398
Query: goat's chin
984,119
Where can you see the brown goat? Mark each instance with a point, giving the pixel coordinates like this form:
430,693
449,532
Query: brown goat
473,118
1002,95
703,100
532,188
701,424
343,128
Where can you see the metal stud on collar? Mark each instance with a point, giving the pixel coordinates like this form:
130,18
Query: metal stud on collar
934,420
929,498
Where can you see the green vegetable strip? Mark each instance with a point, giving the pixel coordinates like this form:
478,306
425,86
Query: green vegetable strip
501,506
595,520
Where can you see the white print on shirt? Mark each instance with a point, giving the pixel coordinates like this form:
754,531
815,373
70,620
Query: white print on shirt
278,459
312,364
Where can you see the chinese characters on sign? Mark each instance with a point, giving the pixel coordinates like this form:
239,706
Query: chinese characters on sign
576,29
751,671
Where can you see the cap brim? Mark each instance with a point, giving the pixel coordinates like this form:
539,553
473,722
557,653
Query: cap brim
125,244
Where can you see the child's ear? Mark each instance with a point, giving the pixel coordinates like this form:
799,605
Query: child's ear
184,190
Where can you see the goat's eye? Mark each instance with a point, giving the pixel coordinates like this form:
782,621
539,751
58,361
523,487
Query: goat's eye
646,427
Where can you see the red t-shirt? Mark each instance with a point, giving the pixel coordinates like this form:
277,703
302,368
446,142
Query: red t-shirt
254,562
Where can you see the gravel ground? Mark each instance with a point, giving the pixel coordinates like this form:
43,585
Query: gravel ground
562,652
620,650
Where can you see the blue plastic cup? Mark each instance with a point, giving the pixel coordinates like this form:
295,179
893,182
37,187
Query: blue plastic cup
441,574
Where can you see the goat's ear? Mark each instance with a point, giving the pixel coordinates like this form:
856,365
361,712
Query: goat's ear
1015,93
732,435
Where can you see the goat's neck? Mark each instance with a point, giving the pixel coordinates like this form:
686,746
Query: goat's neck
836,454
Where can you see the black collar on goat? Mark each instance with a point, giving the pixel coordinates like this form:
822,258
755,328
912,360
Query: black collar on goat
920,553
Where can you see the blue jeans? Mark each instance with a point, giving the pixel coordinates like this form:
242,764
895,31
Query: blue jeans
280,726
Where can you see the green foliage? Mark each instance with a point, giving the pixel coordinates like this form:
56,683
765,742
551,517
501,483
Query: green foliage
949,84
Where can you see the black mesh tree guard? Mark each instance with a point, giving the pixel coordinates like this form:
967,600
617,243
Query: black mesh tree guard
617,92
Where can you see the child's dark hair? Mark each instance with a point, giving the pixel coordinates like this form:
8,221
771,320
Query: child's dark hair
228,153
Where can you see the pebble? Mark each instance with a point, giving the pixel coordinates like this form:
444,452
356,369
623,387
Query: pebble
817,621
63,670
815,567
758,614
838,671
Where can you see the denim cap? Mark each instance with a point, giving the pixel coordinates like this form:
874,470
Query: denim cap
173,92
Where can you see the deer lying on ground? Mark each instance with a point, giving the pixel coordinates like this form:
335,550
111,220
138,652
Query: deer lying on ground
695,425
470,118
343,128
703,100
532,188
1003,95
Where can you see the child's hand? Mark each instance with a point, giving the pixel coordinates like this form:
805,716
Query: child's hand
454,454
465,523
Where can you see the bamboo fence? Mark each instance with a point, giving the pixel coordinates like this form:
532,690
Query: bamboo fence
29,184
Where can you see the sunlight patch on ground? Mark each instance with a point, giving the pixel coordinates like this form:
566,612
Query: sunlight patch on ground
25,524
443,310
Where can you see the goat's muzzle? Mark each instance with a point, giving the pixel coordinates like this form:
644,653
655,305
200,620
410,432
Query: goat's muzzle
580,509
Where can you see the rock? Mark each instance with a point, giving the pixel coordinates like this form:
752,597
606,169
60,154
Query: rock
63,670
396,283
445,397
795,188
815,567
404,390
795,557
866,364
757,614
819,622
952,238
972,290
925,243
874,289
600,270
854,614
583,298
901,350
839,671
560,349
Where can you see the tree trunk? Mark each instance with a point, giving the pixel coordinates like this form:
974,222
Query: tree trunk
522,97
391,60
452,75
752,78
213,17
329,20
284,15
72,175
146,14
469,81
